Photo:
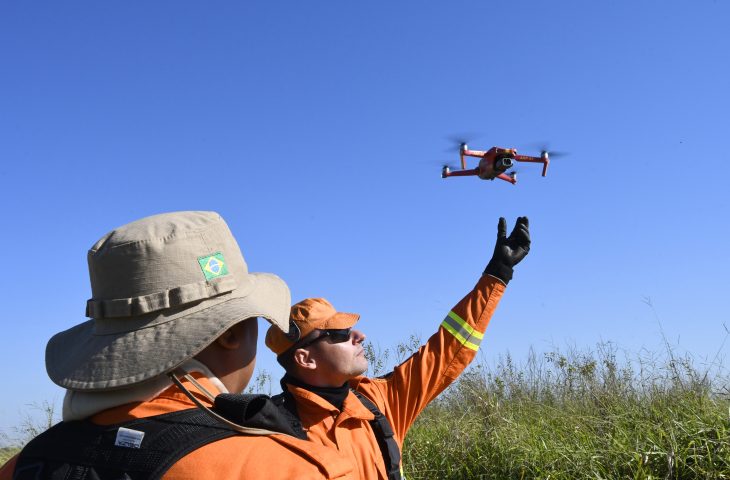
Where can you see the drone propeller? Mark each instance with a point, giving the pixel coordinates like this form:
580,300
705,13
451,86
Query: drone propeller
544,147
553,154
459,139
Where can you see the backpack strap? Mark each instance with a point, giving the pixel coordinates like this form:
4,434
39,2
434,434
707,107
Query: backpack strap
140,449
385,437
145,448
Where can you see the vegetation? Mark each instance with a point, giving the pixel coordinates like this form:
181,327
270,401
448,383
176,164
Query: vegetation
574,416
6,453
29,427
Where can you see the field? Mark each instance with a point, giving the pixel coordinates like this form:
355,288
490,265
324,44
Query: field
573,415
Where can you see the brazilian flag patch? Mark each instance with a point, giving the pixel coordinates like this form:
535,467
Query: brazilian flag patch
213,266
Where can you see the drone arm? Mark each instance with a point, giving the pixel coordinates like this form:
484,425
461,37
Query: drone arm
507,178
527,158
544,160
474,153
461,173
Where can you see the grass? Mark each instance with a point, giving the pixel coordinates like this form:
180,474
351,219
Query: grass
7,452
574,416
30,426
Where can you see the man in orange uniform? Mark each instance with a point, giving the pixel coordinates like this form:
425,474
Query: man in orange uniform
151,380
367,419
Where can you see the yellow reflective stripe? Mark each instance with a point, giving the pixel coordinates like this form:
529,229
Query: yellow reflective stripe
463,335
459,337
472,331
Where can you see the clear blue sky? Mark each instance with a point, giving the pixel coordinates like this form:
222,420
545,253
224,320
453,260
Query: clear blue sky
317,129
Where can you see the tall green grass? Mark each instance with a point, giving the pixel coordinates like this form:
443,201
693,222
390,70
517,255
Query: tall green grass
558,415
577,415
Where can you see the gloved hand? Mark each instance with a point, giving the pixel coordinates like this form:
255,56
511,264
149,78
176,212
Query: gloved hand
509,251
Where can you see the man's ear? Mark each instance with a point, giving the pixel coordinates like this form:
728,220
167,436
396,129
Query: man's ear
231,338
304,359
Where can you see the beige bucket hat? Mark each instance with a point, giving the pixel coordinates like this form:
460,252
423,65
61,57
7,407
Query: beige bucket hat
163,288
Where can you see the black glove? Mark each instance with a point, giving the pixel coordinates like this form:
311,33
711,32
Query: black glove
509,251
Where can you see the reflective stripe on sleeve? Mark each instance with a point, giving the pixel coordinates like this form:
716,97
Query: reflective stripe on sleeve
462,331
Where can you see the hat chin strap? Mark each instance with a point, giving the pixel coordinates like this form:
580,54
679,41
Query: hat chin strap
239,428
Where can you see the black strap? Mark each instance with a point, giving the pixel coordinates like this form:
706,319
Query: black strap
385,437
83,450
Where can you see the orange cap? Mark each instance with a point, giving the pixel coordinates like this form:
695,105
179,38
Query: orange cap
309,315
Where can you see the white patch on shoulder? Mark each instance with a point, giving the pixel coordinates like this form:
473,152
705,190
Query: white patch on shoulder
126,437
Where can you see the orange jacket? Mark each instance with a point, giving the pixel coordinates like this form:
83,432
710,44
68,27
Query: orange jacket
405,392
275,457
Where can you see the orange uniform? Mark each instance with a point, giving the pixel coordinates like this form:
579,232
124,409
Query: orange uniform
353,451
274,457
406,391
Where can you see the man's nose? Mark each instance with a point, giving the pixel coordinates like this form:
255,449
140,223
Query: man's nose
358,336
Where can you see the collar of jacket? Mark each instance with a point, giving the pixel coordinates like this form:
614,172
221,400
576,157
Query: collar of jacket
334,395
316,408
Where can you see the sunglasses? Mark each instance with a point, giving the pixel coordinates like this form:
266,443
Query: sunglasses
336,335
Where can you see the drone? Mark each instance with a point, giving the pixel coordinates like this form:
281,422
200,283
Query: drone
494,163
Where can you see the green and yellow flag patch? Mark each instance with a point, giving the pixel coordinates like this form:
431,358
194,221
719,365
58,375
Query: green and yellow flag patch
213,266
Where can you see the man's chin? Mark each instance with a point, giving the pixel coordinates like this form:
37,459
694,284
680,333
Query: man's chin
363,368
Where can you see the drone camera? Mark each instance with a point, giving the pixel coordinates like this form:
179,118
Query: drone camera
503,164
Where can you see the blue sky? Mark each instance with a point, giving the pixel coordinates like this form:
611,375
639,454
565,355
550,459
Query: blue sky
317,129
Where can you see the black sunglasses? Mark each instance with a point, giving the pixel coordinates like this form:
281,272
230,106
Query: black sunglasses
337,335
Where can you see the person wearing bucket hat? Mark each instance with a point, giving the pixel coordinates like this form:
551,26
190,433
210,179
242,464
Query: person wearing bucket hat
153,378
368,418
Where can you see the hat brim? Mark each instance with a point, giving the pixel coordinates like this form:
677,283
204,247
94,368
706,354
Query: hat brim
83,359
341,320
